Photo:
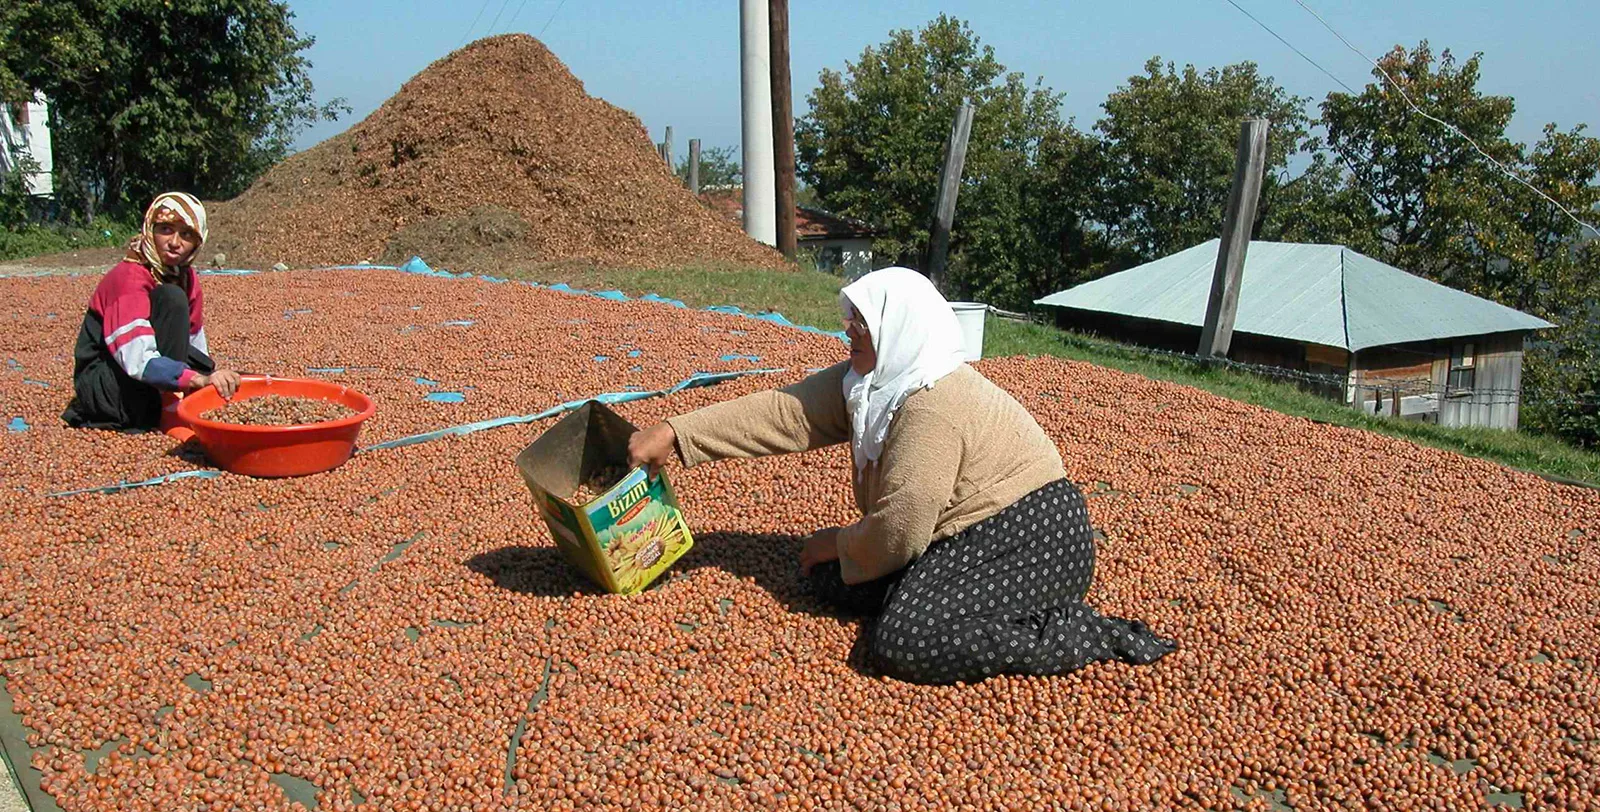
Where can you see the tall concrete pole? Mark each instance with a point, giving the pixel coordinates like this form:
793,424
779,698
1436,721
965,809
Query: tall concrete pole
755,81
694,166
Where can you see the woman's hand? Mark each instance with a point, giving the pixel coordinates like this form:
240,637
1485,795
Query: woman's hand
820,548
652,446
225,380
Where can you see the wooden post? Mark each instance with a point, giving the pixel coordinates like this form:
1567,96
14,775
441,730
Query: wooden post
1248,165
694,166
1394,399
944,208
782,125
666,149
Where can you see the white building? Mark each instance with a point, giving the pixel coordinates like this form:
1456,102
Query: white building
838,244
26,128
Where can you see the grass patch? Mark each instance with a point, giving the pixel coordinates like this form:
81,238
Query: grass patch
1534,453
803,297
811,297
53,238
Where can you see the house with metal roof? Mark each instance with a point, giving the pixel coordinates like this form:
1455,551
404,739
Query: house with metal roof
1404,345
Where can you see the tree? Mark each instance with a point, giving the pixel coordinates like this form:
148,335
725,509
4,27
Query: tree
1169,140
14,191
1561,373
719,166
1441,209
872,140
150,95
1320,206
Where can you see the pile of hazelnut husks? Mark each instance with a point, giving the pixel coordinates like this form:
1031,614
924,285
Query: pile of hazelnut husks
496,145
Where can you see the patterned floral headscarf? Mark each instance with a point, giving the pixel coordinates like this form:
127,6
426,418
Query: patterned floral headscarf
172,207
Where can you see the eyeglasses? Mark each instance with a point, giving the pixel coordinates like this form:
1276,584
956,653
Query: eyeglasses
855,326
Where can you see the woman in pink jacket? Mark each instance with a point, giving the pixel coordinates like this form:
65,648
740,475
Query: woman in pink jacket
144,332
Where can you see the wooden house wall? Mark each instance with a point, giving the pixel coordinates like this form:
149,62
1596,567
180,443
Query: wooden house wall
1497,385
1417,371
1403,363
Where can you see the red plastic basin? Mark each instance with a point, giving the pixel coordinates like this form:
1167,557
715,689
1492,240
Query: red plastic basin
277,451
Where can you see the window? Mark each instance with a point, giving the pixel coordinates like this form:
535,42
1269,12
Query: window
830,258
1463,375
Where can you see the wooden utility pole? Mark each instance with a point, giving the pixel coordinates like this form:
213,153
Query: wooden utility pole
694,166
666,147
1223,305
944,208
782,125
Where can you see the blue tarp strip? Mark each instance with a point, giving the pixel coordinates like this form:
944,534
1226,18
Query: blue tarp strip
160,480
227,272
696,380
417,266
609,398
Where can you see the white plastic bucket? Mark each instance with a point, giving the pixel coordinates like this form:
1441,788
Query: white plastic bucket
970,316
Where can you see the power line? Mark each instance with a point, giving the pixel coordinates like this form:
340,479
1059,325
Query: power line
552,17
1447,125
1291,47
514,14
496,20
475,20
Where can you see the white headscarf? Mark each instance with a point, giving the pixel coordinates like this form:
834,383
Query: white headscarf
918,341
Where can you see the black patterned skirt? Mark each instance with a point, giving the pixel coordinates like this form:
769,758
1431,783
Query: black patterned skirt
1004,596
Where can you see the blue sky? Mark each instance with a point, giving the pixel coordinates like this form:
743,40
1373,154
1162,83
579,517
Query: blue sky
677,63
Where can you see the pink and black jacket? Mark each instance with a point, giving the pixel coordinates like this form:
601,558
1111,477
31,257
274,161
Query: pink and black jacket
118,325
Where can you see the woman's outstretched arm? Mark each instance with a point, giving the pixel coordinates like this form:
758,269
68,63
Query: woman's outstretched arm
799,417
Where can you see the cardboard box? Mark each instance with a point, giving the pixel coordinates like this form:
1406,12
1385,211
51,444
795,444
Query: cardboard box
623,538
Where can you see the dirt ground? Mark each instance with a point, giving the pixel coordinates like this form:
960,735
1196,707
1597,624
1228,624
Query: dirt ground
82,260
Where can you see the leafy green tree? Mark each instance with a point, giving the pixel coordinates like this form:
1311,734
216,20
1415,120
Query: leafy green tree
14,192
1425,184
150,95
719,166
1320,206
872,142
1441,209
1561,373
1169,139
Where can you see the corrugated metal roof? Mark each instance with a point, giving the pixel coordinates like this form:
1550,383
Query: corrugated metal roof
1319,294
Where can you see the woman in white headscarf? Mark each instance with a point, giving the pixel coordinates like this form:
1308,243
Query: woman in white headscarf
973,545
143,337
